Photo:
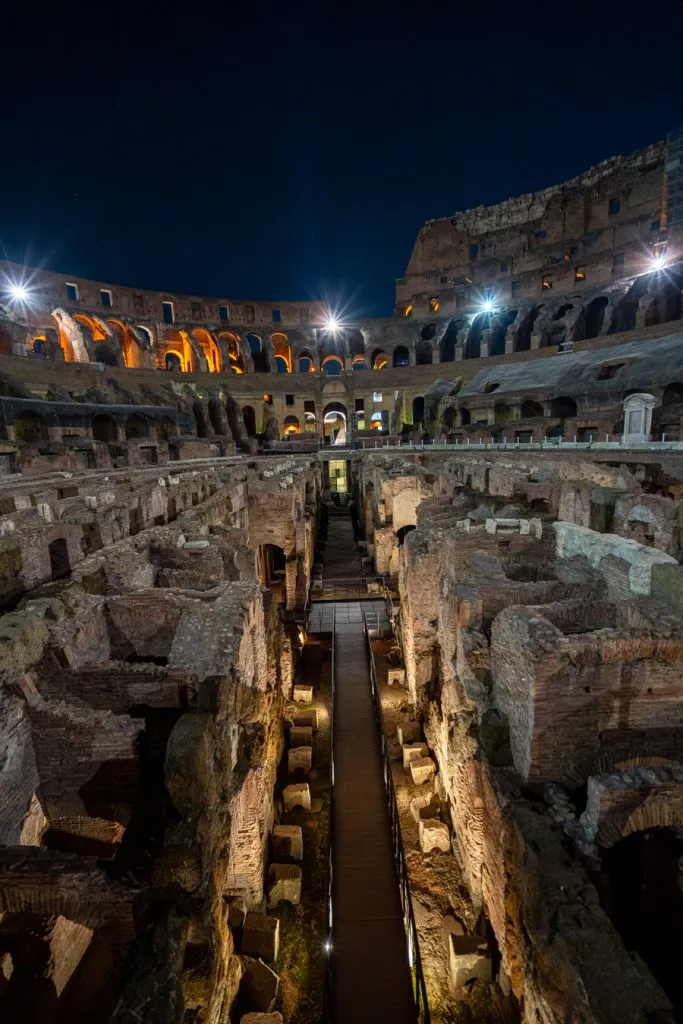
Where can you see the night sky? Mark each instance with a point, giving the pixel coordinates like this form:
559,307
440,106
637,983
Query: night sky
293,150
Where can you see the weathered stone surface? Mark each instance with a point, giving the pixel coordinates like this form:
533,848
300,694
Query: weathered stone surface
300,759
434,835
297,795
407,732
259,985
284,883
302,694
287,841
414,752
308,718
301,736
469,958
262,1018
396,676
422,770
261,936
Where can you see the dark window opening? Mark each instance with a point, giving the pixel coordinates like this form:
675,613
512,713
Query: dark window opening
72,292
223,313
289,399
277,316
105,298
196,310
403,533
443,280
167,312
614,206
473,250
59,558
309,405
655,227
608,372
360,405
539,234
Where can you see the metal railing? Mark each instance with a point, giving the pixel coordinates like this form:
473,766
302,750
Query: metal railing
329,882
417,974
547,444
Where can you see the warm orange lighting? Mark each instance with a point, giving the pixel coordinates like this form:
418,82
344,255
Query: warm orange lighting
268,399
282,350
408,310
434,303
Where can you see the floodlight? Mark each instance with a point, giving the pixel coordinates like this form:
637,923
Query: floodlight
19,293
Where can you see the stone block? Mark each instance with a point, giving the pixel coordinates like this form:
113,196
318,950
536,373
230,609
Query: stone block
468,958
297,795
426,805
237,911
287,841
261,936
396,676
422,770
302,694
300,759
259,985
262,1018
414,752
434,835
301,736
407,732
306,718
284,883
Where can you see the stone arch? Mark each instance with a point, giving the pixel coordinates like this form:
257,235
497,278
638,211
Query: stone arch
626,311
291,425
332,365
419,409
563,407
378,360
428,332
282,351
173,361
30,427
104,345
502,414
530,409
217,417
104,428
472,348
424,353
524,332
450,340
594,317
666,303
258,355
210,349
305,362
400,356
137,427
673,394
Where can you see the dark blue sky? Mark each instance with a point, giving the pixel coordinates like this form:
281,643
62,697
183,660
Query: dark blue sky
290,150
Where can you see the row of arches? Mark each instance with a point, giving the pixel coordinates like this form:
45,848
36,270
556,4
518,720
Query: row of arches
32,428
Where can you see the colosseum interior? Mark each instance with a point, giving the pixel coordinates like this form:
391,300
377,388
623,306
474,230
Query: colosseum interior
341,661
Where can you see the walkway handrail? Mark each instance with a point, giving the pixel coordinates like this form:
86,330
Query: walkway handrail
329,881
417,975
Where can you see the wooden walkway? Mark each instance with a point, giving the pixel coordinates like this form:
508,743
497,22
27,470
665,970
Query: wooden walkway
371,974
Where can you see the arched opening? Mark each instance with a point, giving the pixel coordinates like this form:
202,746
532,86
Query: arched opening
358,363
595,317
423,353
666,304
104,428
304,363
31,428
261,364
210,350
137,428
235,360
378,360
309,422
332,366
529,410
60,565
200,419
449,341
165,429
249,417
418,410
401,356
499,329
449,417
403,533
128,342
283,352
217,417
523,339
428,332
291,425
555,332
465,417
355,343
502,413
626,313
335,419
38,346
639,886
173,362
480,324
563,407
145,336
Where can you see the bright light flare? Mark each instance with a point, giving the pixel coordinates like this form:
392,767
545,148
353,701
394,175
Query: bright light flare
18,293
488,306
327,946
658,262
332,323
